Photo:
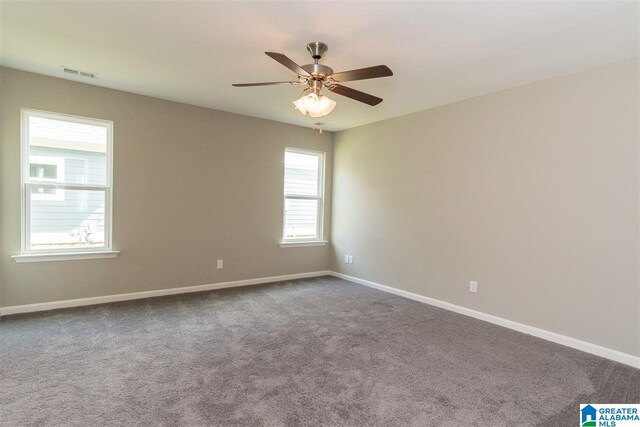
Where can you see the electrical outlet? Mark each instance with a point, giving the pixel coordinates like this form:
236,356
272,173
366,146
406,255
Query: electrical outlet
350,259
220,264
473,287
346,258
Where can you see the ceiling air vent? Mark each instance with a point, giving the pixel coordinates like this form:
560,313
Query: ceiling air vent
79,73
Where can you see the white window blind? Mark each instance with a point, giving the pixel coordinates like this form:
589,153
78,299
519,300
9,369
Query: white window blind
303,195
66,180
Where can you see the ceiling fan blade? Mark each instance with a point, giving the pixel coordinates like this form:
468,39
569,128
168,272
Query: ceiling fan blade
284,60
355,94
363,74
265,84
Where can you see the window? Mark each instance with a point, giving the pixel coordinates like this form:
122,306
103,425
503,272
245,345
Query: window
303,195
66,184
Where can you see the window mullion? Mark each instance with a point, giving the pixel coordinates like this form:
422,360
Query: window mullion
66,186
293,196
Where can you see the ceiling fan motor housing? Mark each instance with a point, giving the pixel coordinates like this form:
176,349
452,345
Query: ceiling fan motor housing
317,70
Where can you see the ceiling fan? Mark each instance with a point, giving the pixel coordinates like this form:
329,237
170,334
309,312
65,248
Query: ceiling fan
316,76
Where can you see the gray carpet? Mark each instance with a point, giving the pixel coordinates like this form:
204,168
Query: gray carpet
320,351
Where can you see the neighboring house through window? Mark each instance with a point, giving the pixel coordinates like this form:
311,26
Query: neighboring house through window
66,183
46,169
303,195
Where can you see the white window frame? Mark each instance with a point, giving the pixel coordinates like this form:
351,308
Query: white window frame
27,183
319,239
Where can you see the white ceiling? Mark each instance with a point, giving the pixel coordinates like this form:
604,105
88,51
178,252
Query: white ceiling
439,52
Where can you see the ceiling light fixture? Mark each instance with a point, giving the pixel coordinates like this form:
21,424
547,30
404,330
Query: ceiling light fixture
312,102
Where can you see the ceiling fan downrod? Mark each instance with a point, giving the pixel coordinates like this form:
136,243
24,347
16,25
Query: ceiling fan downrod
317,49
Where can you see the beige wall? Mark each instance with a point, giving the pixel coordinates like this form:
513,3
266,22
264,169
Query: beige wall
191,185
533,192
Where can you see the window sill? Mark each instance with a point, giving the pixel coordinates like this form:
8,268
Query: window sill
68,256
302,244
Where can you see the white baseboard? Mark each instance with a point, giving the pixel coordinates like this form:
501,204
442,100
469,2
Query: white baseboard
587,347
28,308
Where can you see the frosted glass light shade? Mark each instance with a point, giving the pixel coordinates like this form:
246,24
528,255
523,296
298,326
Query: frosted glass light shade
316,106
299,104
310,101
324,106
